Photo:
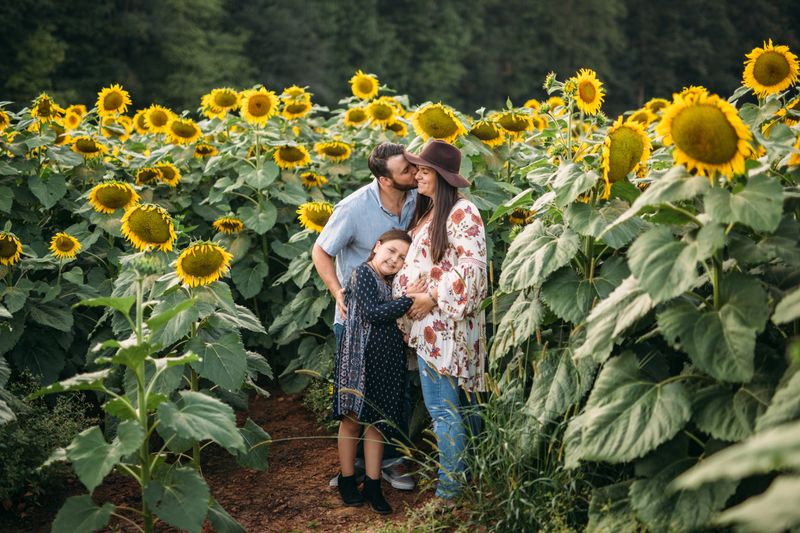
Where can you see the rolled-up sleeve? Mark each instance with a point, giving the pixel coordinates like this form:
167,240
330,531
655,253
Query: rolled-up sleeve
337,232
463,287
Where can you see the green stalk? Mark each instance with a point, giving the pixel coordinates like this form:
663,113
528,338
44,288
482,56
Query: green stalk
195,386
144,451
716,268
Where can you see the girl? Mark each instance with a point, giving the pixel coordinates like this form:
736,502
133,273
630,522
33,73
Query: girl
446,326
369,376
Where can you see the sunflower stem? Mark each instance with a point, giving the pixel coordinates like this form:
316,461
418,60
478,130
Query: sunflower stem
144,450
716,267
194,385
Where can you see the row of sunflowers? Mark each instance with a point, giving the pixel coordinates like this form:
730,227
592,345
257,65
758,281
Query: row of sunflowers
644,269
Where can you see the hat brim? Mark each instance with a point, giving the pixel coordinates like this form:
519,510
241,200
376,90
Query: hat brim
453,178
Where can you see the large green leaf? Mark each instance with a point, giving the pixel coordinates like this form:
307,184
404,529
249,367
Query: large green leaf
48,191
519,323
5,372
87,381
620,310
559,382
221,521
571,298
249,277
55,314
179,497
222,359
610,510
242,318
302,312
685,510
773,449
589,221
79,513
122,304
775,510
256,442
571,181
788,308
199,417
628,415
261,178
93,458
259,218
758,205
665,266
720,343
729,413
535,253
785,405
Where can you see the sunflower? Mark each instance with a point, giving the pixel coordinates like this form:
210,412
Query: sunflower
296,109
625,148
5,120
708,134
513,122
44,109
202,263
112,100
10,249
257,106
295,93
256,151
333,150
148,176
158,118
656,105
71,121
183,131
78,109
382,111
355,116
792,107
109,196
488,132
539,122
140,122
693,90
61,132
117,127
228,225
314,215
794,160
770,69
364,86
521,216
64,246
589,91
221,101
148,226
202,150
557,105
88,147
169,173
398,127
312,179
643,116
533,104
437,121
291,156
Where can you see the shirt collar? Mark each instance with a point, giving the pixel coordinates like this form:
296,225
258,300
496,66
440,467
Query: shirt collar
375,190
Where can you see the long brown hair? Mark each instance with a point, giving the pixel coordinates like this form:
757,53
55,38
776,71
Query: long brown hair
446,198
391,235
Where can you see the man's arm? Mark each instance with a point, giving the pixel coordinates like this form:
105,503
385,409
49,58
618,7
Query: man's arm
327,271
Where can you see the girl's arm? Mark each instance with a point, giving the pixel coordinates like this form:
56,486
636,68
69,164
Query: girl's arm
377,311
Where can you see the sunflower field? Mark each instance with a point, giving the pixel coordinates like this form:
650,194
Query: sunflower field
645,272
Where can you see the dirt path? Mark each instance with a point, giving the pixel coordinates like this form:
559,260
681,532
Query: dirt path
292,496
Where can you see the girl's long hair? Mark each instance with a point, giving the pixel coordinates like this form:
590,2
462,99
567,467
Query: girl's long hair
446,198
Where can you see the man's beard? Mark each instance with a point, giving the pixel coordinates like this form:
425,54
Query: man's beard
401,187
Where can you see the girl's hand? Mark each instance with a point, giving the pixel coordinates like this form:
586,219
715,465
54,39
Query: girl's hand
418,286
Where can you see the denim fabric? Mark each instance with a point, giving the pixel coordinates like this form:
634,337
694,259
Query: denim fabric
441,394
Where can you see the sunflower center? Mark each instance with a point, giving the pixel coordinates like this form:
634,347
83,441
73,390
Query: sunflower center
485,132
141,123
64,244
513,122
356,115
44,108
587,92
625,152
8,248
704,133
112,101
381,111
298,107
365,85
771,68
225,99
335,150
204,261
291,154
437,123
259,105
182,129
318,216
113,197
147,175
87,146
149,226
640,117
158,118
167,173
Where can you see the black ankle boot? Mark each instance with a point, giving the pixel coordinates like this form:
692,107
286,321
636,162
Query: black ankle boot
350,494
373,494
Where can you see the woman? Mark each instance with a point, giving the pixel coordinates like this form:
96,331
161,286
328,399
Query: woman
446,326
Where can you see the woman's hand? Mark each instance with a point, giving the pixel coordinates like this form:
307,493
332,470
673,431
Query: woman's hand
423,304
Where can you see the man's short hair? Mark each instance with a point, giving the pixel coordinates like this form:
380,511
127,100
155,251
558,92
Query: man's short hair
380,154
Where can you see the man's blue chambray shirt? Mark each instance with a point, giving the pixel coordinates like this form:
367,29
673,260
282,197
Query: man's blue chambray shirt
355,225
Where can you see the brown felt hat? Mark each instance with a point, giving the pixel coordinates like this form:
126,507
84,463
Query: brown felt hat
442,157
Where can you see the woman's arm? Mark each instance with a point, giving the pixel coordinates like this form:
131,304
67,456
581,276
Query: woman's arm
377,311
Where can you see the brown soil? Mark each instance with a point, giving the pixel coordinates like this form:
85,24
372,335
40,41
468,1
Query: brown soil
291,496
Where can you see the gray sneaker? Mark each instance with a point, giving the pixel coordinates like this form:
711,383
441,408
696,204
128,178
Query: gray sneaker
360,472
397,476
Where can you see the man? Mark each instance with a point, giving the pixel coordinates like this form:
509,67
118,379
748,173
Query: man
348,238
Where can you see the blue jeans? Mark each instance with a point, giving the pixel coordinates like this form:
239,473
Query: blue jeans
441,394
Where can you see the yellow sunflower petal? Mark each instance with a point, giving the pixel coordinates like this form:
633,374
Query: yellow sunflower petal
10,249
364,86
437,121
202,263
64,246
291,156
112,100
228,225
258,105
625,148
770,69
109,196
314,215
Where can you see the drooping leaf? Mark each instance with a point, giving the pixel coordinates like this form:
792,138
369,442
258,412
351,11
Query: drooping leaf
79,513
571,298
256,445
179,497
261,178
93,458
559,382
221,521
122,304
571,181
249,277
788,308
535,253
200,417
589,221
758,205
55,314
627,415
259,218
48,191
785,404
729,413
519,323
222,359
87,381
775,510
